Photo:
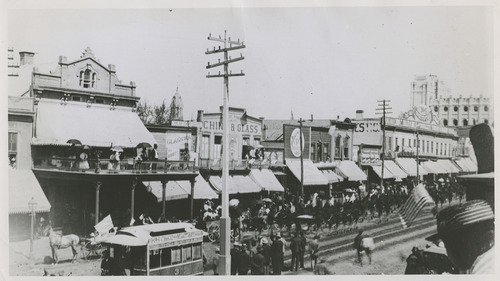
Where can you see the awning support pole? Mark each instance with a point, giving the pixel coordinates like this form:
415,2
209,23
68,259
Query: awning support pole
132,199
163,199
191,199
97,189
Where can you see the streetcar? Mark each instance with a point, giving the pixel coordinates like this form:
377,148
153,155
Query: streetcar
158,249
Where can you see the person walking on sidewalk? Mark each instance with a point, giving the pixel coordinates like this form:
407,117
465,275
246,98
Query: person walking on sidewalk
313,251
295,247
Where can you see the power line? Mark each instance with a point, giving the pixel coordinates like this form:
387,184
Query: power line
383,105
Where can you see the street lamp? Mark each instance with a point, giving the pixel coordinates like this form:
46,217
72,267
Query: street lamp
32,206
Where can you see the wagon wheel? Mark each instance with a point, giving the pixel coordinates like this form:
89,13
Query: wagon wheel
91,249
213,232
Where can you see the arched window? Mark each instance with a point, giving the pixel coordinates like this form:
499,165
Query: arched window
476,108
86,78
486,121
486,108
94,75
346,147
436,108
455,108
445,122
474,121
466,108
455,122
338,141
445,108
465,122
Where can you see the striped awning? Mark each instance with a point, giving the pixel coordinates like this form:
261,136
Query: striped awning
23,187
409,166
97,125
387,173
182,189
266,180
395,169
348,169
237,184
312,176
331,176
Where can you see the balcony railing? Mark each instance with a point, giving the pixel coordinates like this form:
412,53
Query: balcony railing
113,166
243,164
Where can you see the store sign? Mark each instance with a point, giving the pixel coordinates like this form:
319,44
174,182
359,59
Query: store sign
176,239
292,136
370,156
237,124
367,132
175,142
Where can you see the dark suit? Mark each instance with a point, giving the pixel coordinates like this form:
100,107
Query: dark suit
277,256
295,247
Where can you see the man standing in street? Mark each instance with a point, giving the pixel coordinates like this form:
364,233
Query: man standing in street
244,261
235,258
266,252
313,251
295,247
277,255
358,245
303,243
257,263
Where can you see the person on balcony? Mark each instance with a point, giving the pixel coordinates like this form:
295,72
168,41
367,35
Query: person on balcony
154,157
83,163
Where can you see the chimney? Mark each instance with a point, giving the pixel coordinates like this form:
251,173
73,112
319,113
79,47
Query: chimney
199,117
62,59
26,57
112,67
359,114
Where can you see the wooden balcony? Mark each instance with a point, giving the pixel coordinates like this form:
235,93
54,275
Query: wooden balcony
123,168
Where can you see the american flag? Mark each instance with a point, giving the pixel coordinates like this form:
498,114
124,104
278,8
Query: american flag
417,200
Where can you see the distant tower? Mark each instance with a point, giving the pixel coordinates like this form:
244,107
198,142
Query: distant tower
427,87
176,107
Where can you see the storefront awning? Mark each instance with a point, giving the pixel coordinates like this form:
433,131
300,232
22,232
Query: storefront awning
434,168
331,176
466,164
237,184
395,169
96,125
449,166
312,176
409,165
349,169
182,189
23,186
173,190
387,173
266,180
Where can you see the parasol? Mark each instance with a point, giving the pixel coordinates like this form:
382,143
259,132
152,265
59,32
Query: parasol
117,148
74,142
234,202
440,180
259,146
348,190
86,147
267,200
143,145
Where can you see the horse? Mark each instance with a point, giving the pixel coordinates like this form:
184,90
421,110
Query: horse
58,241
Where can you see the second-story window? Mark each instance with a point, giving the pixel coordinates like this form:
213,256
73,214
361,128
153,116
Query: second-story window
12,150
346,147
88,78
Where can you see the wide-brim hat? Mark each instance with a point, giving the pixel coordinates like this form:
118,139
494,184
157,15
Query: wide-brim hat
264,241
455,219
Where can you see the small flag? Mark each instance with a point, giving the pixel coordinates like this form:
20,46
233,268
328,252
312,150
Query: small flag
105,225
417,200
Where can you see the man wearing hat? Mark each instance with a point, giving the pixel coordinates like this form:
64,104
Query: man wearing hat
257,263
244,260
277,255
266,252
235,257
468,232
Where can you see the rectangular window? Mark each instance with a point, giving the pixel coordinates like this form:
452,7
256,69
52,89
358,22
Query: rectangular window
154,258
166,258
197,251
217,147
427,150
441,149
415,142
12,142
76,98
432,147
176,255
205,145
100,101
186,253
256,142
403,143
396,143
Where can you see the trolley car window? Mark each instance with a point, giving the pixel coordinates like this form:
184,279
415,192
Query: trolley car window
176,255
197,251
154,259
186,253
166,257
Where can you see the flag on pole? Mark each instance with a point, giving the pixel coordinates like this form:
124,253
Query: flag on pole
417,200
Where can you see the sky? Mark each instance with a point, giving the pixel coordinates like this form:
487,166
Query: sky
325,61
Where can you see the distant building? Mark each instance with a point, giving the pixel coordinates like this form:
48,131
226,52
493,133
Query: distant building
176,107
427,87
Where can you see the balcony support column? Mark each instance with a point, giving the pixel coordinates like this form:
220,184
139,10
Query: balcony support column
97,189
132,199
191,197
163,200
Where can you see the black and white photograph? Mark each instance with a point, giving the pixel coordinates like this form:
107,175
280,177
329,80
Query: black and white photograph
248,138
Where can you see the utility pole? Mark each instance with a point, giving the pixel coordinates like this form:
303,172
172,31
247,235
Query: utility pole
418,146
383,105
225,226
302,157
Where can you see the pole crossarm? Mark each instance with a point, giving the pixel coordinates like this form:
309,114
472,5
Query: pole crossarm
225,62
224,75
228,40
219,50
